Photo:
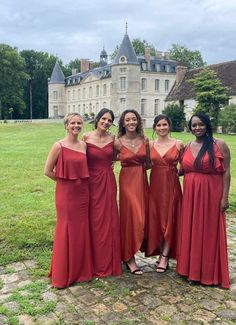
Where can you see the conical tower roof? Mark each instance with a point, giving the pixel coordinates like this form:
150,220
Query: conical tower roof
57,76
126,49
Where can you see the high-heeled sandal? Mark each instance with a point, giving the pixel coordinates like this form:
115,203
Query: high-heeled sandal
134,272
158,260
163,269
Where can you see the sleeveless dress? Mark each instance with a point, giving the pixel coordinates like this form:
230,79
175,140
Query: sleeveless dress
133,200
103,211
71,257
165,198
203,247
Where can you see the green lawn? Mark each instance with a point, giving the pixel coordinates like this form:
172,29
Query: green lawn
27,213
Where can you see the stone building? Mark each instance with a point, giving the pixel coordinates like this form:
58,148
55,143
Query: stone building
130,81
182,92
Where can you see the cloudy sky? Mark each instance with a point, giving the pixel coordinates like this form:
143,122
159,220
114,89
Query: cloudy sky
78,28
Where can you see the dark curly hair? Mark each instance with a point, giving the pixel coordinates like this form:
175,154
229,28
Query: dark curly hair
208,140
101,113
121,128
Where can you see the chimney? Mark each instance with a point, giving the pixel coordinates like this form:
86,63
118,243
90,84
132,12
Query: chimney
74,71
180,73
84,65
148,56
158,54
167,55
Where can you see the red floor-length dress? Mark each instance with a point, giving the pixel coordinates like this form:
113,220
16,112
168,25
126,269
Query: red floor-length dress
71,258
203,246
103,212
165,198
133,200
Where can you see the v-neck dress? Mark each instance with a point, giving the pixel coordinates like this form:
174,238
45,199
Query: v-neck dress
203,247
103,211
71,257
133,200
165,198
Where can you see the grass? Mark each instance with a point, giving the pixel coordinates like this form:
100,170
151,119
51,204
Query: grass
27,212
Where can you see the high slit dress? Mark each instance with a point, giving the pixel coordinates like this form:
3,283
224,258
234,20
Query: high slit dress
203,247
103,211
71,257
133,200
165,196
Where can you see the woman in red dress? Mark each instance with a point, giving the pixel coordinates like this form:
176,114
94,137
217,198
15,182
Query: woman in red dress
206,168
67,165
131,146
164,194
103,211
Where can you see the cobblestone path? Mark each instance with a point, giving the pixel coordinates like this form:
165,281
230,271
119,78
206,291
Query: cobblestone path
148,299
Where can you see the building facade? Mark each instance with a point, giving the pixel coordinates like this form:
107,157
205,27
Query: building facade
129,82
182,92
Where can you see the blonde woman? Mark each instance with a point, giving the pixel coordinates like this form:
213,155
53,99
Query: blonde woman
67,165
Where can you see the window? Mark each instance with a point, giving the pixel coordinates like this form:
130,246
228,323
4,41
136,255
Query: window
83,108
143,84
90,92
104,104
55,95
73,108
157,84
156,106
122,83
97,91
68,95
167,85
143,106
97,107
122,70
73,95
167,68
78,94
122,100
84,93
111,86
158,67
144,66
104,90
79,108
90,108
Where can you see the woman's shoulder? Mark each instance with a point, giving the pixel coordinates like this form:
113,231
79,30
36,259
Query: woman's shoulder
223,147
179,144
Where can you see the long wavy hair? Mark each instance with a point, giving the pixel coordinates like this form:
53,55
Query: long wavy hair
101,113
121,128
208,140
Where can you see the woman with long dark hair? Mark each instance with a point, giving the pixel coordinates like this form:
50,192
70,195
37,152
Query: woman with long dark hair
165,194
131,145
206,168
103,210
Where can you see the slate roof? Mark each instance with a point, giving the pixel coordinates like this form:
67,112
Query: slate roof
126,49
57,76
226,73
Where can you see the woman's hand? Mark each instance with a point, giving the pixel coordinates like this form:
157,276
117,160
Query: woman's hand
224,204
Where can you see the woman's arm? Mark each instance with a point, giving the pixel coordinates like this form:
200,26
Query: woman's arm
49,168
224,204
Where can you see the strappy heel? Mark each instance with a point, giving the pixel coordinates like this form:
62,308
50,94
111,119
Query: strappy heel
163,269
134,272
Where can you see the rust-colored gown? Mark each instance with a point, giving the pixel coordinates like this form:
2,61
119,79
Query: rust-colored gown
103,211
71,257
165,197
203,247
133,200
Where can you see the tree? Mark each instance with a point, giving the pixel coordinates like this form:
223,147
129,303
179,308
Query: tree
177,116
227,119
12,81
210,94
191,59
39,66
139,48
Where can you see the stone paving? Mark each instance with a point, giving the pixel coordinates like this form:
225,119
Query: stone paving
148,299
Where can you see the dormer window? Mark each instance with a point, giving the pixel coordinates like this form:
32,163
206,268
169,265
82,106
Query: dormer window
144,65
167,68
123,59
158,67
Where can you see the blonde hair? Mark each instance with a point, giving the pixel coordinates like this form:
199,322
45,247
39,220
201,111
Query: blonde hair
69,116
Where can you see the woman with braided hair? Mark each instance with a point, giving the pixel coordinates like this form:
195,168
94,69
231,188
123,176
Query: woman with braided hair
206,168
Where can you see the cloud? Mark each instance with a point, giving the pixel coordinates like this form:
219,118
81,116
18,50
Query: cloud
79,28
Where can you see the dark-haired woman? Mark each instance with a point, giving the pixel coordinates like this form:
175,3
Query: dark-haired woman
206,168
164,194
103,215
131,145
